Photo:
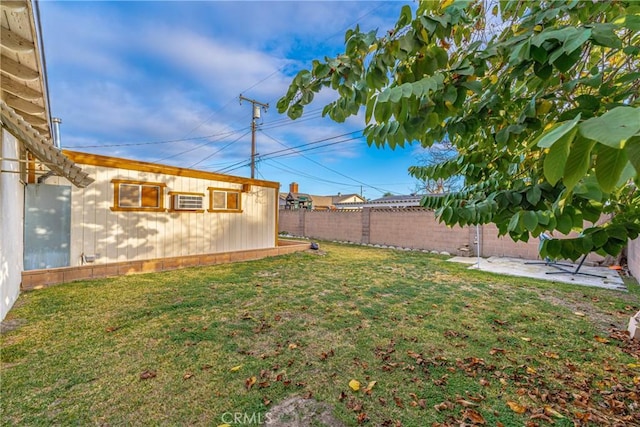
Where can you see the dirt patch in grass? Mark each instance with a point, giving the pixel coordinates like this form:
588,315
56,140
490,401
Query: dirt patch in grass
603,321
299,412
9,325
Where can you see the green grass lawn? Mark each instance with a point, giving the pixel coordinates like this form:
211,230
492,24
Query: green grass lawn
429,342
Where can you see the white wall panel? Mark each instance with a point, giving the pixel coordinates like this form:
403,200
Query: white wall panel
128,236
11,223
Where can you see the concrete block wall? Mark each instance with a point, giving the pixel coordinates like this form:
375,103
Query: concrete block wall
334,225
504,246
415,228
291,222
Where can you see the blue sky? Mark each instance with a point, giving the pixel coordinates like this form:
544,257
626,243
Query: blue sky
159,81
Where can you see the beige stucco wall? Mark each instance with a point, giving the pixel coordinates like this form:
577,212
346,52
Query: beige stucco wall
11,223
132,236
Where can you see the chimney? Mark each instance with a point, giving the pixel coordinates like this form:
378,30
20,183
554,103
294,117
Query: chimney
293,187
56,132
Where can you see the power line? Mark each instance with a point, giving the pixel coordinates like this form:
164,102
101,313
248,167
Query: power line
299,152
130,144
293,149
288,151
286,169
222,148
232,167
190,149
330,169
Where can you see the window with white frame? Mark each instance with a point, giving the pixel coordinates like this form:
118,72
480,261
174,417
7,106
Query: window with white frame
138,196
224,200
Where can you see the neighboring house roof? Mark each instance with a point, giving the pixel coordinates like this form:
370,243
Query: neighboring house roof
405,201
322,201
347,198
408,200
299,197
24,104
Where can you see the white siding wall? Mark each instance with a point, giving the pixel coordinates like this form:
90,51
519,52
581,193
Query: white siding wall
130,236
11,223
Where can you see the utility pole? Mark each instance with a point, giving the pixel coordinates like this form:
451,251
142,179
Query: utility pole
256,115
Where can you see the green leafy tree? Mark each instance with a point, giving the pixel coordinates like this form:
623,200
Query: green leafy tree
539,98
431,157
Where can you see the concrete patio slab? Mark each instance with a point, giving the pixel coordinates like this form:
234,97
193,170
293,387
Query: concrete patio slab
537,270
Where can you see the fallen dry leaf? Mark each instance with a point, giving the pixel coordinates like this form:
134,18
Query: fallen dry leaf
541,417
235,368
579,313
474,416
249,382
601,339
369,386
187,375
292,346
527,339
147,374
112,328
443,406
354,385
516,407
548,410
398,401
466,403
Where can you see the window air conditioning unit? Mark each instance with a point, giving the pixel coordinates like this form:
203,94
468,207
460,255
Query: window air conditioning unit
186,202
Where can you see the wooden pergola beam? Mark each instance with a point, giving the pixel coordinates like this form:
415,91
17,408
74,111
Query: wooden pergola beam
22,105
18,89
13,5
14,42
17,70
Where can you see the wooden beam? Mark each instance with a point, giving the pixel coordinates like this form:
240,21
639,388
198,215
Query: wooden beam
22,105
13,5
40,147
19,89
17,70
14,42
33,120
